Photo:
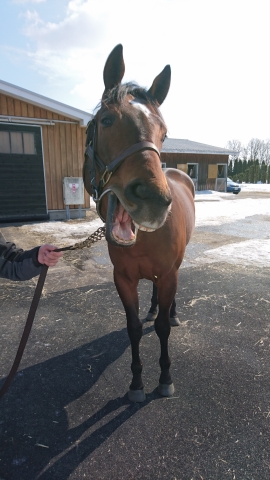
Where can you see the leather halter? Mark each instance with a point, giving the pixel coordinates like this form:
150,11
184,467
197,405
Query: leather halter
107,170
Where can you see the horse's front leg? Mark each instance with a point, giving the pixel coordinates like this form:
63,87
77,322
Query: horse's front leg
166,292
127,290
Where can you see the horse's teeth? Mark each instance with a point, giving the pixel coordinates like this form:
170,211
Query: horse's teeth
143,229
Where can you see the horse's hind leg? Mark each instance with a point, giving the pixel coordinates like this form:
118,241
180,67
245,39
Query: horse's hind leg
128,293
152,314
153,311
174,320
166,293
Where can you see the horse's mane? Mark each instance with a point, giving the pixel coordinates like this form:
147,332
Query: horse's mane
119,93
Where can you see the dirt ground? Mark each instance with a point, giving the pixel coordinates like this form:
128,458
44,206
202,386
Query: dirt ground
67,416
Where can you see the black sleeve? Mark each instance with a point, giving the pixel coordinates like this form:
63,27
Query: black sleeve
16,264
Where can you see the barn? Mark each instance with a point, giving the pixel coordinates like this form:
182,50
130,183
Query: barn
42,148
205,164
41,143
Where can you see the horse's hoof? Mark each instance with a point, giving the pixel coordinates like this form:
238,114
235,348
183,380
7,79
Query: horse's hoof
136,395
151,317
166,390
174,322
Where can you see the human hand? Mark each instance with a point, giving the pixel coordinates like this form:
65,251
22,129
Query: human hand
47,255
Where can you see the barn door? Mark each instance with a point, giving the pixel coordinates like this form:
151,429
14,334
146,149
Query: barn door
22,185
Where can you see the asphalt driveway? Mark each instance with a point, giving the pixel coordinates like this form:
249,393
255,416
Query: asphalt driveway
67,416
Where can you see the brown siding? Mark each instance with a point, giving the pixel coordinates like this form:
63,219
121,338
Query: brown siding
204,183
63,147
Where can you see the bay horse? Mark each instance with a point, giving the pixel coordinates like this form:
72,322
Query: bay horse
149,212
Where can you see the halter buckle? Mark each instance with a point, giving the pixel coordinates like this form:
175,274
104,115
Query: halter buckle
103,180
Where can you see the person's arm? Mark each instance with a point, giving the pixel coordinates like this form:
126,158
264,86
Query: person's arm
16,264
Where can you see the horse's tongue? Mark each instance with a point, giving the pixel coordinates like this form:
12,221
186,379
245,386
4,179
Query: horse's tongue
122,225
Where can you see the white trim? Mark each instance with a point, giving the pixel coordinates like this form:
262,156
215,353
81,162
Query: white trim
45,102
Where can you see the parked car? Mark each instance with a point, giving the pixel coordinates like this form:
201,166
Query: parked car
232,187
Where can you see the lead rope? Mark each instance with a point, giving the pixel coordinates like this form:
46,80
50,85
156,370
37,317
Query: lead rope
94,237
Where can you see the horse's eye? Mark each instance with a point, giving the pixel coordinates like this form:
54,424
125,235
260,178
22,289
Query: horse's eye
106,121
164,138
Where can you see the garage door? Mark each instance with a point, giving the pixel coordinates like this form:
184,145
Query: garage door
22,186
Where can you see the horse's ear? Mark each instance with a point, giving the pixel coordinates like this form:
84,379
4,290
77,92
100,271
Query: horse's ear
114,68
161,85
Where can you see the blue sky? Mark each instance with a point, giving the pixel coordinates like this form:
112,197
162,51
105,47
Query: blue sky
218,51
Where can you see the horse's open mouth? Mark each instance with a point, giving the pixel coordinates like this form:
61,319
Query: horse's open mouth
120,228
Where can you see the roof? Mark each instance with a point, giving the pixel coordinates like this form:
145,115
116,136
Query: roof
175,145
45,102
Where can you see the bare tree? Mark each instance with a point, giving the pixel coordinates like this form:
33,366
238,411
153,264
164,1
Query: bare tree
267,152
253,149
256,149
234,145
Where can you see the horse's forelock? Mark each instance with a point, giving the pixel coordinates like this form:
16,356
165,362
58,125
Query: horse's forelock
118,94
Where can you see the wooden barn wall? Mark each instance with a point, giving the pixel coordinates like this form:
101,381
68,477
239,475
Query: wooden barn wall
203,160
63,147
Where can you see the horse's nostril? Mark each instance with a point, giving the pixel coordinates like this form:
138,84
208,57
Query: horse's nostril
141,191
138,190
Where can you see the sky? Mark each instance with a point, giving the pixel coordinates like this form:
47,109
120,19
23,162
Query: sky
218,52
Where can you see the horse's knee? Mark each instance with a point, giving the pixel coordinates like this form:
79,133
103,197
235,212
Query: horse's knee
162,329
135,333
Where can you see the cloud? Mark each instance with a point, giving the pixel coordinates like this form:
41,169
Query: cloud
81,26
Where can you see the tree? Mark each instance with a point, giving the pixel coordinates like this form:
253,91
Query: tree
246,175
234,145
251,173
257,173
263,172
253,149
230,169
268,174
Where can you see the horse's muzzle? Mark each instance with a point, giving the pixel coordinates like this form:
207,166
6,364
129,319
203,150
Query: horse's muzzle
139,192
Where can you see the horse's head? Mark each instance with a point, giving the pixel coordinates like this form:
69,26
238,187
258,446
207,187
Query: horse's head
122,167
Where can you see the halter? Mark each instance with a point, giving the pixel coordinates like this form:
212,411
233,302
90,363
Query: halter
106,171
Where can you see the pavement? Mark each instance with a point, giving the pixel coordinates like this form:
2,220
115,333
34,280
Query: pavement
66,415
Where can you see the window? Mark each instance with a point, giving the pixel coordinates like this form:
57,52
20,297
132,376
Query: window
163,165
17,142
4,142
221,171
193,170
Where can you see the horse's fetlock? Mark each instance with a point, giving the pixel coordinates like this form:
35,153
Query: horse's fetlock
165,378
165,363
136,368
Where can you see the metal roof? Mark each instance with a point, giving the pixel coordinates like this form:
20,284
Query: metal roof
178,145
45,102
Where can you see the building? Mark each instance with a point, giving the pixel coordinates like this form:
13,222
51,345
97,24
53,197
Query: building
41,142
206,165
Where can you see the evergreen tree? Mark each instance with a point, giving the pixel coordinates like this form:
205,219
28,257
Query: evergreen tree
263,172
235,167
241,177
268,174
230,169
240,166
256,173
246,175
251,173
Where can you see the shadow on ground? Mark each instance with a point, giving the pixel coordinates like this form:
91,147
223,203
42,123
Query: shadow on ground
66,416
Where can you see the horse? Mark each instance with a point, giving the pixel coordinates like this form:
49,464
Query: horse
149,212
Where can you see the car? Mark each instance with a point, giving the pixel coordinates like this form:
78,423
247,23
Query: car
232,187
